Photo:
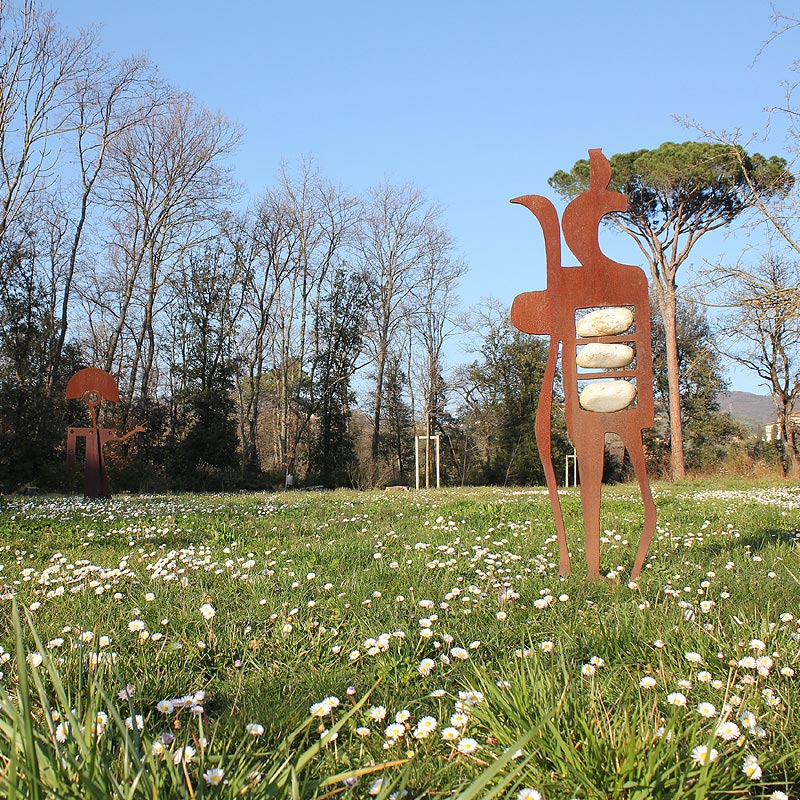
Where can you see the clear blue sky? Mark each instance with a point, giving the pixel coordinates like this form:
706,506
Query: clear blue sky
475,102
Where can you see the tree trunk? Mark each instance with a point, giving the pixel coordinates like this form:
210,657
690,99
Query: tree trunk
122,318
791,452
377,405
73,257
398,438
668,312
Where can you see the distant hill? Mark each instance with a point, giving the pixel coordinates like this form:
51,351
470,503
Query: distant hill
751,410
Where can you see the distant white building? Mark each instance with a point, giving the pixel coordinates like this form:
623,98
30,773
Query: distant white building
772,432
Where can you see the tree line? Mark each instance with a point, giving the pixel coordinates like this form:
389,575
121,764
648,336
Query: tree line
235,335
304,335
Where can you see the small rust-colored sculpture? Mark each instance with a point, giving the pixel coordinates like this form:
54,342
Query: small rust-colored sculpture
93,385
599,313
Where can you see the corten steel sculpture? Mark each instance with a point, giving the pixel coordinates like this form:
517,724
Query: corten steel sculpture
93,385
599,313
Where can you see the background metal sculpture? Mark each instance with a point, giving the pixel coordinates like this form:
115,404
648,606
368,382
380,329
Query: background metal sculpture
599,313
93,385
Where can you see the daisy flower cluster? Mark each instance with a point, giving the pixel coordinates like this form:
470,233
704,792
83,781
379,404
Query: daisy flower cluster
737,699
405,731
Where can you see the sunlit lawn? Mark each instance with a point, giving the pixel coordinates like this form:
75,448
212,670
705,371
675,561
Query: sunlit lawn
294,645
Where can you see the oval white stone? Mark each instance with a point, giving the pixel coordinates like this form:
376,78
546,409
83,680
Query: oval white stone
607,396
604,322
599,354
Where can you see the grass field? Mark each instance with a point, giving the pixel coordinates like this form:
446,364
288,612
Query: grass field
400,644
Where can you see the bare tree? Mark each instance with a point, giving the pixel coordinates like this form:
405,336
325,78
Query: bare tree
164,187
329,219
394,236
40,68
110,97
293,244
61,103
763,330
434,301
247,235
763,335
263,242
323,219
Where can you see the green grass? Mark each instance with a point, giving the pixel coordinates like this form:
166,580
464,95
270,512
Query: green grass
428,605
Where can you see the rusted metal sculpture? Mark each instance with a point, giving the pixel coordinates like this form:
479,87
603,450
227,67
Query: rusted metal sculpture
599,314
93,385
